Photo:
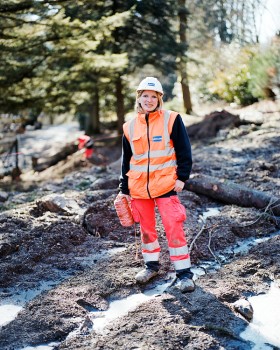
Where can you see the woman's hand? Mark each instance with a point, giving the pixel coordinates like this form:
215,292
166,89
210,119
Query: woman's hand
179,185
128,198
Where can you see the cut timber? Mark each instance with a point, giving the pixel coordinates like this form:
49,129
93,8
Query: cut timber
231,193
57,157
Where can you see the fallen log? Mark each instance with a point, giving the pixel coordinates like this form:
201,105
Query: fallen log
232,193
54,159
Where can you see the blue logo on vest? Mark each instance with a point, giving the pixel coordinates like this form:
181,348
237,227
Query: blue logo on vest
157,138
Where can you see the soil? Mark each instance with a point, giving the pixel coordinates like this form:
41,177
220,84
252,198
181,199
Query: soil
80,259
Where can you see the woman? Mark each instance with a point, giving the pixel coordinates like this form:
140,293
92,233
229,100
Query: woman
156,162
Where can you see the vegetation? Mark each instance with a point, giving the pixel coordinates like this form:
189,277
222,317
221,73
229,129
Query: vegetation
232,83
85,58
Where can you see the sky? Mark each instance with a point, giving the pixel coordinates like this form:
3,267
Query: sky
269,20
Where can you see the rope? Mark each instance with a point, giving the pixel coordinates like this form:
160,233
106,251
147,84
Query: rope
136,244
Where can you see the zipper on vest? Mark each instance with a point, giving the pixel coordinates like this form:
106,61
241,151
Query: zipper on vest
149,146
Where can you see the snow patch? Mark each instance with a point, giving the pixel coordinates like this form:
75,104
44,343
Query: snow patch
49,346
8,312
264,329
209,212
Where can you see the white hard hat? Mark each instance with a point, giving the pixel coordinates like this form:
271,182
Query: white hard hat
150,83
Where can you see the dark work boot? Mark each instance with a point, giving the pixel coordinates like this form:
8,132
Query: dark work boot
150,271
145,275
186,283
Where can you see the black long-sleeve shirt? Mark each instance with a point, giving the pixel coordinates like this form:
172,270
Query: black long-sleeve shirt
183,152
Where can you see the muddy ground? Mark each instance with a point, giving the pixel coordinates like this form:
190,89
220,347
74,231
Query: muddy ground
83,259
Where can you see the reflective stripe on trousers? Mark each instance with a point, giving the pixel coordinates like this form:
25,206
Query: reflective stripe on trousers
173,214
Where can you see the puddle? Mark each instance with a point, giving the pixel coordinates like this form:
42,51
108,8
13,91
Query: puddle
11,305
8,312
49,346
117,309
120,307
209,212
240,248
90,260
15,300
204,268
243,246
264,329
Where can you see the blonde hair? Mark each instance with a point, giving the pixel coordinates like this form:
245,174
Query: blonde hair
138,106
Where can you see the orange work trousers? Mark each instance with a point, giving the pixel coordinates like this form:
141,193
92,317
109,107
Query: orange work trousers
173,214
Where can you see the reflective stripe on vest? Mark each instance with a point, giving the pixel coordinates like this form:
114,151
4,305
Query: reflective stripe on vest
167,152
166,133
143,168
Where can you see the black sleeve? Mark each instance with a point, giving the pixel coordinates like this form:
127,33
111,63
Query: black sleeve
182,147
126,156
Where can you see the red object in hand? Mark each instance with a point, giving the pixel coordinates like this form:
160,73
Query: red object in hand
123,209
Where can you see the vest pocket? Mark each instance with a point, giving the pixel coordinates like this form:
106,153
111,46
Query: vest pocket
135,182
162,181
138,145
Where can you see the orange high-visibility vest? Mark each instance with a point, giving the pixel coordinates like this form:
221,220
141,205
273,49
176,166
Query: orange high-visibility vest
153,163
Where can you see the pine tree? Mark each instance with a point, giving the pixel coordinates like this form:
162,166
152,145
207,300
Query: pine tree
51,59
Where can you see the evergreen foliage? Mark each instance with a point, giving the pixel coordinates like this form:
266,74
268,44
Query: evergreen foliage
63,56
52,60
86,57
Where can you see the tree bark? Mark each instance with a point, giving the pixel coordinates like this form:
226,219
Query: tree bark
232,193
186,91
93,123
120,104
182,13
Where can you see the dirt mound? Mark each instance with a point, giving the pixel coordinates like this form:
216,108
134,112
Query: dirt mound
212,124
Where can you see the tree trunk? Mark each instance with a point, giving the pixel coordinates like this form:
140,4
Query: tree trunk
231,193
93,123
186,92
120,104
182,13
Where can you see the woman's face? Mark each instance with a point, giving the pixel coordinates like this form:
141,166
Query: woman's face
148,100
